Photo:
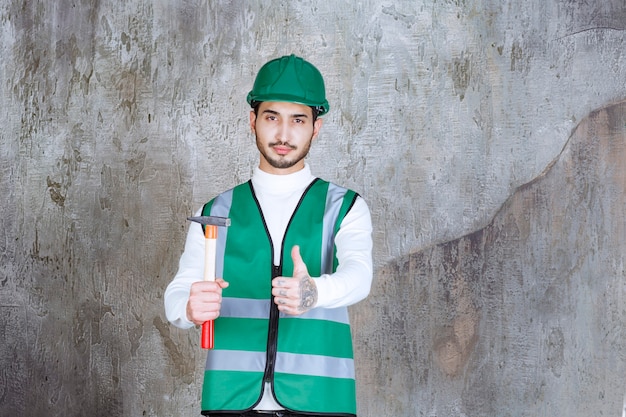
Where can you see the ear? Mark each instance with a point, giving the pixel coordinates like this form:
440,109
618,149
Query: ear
252,121
317,126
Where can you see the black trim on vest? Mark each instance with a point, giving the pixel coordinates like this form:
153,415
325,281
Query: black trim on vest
356,195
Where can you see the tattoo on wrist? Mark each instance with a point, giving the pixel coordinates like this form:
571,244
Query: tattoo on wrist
308,293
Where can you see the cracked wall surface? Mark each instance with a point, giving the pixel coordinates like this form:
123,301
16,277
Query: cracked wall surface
526,316
498,286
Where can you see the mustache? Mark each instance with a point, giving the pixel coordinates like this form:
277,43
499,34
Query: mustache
281,143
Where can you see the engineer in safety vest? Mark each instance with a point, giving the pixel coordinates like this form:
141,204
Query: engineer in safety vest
298,252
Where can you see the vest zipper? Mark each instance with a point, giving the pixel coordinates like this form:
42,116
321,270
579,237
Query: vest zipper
272,337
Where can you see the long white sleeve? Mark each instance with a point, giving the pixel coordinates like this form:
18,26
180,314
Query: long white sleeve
190,270
353,279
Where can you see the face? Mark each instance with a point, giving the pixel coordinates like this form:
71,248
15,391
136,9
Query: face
284,132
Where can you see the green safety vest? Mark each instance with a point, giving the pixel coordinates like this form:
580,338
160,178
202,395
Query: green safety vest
307,359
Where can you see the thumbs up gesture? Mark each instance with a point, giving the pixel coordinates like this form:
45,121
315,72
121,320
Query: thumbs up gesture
298,294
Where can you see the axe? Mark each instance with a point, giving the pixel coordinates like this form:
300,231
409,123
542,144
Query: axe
210,244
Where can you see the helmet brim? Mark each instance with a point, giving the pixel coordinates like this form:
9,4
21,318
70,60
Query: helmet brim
322,108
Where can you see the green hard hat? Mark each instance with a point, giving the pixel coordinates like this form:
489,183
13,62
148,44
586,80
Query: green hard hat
291,79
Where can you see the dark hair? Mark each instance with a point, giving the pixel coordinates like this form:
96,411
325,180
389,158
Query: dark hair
314,110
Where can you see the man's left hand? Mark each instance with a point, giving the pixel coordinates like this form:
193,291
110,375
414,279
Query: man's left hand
298,294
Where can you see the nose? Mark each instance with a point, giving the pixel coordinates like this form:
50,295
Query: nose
282,132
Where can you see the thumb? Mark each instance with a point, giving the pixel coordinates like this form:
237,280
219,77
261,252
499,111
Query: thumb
299,267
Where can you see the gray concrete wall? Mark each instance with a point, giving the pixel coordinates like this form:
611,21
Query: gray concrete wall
491,297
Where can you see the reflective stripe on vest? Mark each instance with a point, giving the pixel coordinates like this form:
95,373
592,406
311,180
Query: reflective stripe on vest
289,363
260,309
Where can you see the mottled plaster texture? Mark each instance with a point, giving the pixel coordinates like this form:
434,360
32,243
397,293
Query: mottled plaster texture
486,136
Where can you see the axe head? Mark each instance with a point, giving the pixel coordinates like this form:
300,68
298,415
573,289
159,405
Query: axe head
211,220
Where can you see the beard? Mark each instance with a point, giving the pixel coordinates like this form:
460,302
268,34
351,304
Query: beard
286,161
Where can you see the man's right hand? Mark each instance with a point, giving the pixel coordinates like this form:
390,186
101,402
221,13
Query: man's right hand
205,300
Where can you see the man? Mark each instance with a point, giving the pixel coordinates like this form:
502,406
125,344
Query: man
297,253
